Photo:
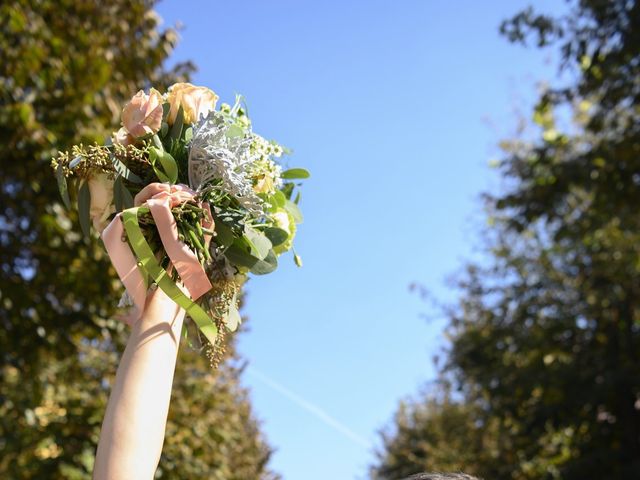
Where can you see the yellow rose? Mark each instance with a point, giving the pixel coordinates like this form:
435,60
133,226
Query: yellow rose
143,114
195,101
101,191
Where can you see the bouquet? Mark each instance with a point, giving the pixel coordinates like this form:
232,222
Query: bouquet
186,197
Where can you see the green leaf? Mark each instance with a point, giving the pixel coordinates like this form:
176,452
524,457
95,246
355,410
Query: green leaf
287,189
298,197
117,198
157,142
238,254
169,171
293,209
234,219
224,236
169,166
62,186
160,174
260,244
188,134
276,235
297,259
176,128
153,155
122,196
268,265
84,207
234,131
279,199
295,173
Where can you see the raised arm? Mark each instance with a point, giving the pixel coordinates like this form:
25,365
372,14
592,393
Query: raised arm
134,424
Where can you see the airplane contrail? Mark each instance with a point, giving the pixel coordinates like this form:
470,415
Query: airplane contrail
309,407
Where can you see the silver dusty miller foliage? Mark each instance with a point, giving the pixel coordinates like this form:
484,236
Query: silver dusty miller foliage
220,150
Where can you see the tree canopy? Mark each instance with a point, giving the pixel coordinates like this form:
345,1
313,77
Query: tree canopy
66,68
545,339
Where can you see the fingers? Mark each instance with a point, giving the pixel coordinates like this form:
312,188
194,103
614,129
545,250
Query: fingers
149,191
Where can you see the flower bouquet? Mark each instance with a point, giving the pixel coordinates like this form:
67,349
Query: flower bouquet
186,197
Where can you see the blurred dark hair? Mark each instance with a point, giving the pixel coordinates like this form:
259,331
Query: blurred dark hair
441,476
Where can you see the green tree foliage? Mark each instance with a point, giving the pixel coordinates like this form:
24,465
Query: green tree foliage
66,68
432,433
545,340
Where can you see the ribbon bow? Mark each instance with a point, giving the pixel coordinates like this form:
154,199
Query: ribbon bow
159,198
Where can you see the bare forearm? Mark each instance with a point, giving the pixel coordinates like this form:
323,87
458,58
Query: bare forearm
134,424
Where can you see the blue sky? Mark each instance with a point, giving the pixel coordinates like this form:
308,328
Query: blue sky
396,108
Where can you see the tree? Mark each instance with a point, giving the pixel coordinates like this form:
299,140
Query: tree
545,339
66,68
432,433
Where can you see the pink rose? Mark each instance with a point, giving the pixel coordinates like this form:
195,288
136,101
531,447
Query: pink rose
195,101
143,114
122,137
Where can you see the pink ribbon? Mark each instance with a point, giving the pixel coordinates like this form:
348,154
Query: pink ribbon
160,198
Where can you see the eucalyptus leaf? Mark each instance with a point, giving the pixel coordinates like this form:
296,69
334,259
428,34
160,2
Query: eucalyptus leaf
297,199
276,235
260,244
268,265
74,163
127,198
122,196
117,197
62,185
84,207
238,255
297,259
295,173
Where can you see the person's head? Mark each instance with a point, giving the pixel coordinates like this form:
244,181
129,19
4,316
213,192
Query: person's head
441,476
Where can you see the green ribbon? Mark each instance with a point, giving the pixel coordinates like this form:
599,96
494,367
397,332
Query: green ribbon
149,265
